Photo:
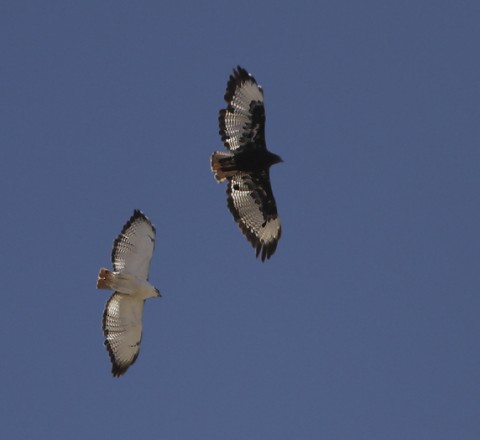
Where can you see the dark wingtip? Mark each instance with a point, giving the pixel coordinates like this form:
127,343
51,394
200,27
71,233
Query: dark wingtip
137,214
241,74
118,369
240,71
238,77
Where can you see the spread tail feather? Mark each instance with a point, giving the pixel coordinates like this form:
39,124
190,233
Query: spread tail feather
223,165
105,278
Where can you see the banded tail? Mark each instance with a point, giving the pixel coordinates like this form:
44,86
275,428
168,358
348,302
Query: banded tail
223,165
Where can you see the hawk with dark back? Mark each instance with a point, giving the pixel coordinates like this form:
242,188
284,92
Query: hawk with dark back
122,317
246,165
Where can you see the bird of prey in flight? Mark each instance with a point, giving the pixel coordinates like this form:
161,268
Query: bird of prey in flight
122,317
246,165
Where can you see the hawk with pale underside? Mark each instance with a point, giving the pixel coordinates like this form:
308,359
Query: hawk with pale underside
122,317
246,165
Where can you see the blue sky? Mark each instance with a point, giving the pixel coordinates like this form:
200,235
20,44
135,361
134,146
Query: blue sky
363,325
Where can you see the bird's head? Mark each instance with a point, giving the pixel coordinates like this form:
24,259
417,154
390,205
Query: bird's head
275,158
157,292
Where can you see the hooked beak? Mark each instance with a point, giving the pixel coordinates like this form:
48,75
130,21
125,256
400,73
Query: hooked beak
278,159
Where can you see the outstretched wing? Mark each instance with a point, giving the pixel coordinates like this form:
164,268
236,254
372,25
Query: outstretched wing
133,248
242,123
122,327
251,201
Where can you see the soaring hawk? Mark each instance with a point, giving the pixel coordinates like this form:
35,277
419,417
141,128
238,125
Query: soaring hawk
246,165
122,317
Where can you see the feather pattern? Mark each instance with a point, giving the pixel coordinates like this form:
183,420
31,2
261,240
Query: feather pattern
246,166
123,313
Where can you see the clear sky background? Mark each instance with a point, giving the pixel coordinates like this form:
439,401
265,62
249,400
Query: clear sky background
363,325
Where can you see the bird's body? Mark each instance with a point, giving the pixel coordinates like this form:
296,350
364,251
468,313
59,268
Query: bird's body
246,165
247,161
122,317
126,284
